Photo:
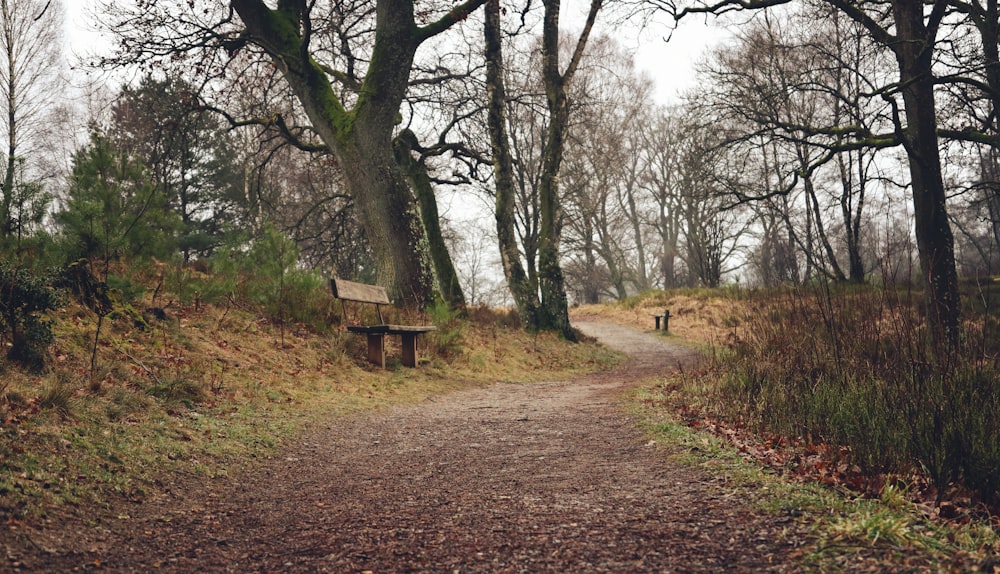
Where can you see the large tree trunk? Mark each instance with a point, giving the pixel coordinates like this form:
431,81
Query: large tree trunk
521,288
444,268
935,243
391,220
554,312
551,312
361,138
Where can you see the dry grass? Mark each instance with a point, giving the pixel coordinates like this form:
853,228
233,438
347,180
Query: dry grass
703,317
210,389
893,526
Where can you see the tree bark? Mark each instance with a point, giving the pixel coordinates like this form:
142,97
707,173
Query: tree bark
7,217
812,202
851,212
522,289
444,268
554,311
591,290
609,251
11,41
641,282
935,242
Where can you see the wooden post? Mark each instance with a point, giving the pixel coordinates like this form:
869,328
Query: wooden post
409,344
666,321
376,348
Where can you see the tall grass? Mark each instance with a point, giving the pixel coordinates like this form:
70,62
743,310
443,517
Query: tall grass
854,367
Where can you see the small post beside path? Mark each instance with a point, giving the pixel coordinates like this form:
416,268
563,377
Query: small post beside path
666,320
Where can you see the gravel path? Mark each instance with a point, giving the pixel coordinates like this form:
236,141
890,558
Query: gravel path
550,477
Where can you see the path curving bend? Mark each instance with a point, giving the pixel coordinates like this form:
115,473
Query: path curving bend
550,477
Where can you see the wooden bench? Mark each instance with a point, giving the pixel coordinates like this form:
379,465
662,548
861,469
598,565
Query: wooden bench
362,293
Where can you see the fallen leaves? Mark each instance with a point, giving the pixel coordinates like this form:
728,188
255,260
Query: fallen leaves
808,459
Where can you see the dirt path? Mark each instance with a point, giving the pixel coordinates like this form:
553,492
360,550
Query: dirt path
512,478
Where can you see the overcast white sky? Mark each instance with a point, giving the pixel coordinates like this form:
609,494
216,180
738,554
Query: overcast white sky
80,25
672,63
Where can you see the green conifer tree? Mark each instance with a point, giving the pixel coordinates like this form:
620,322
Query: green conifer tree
113,209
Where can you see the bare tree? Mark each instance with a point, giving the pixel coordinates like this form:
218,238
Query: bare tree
543,305
712,227
523,287
30,49
554,312
909,30
476,261
798,83
603,175
662,135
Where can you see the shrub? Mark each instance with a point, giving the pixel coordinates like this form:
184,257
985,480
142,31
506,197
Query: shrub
491,317
79,279
448,339
125,290
307,300
24,298
856,369
267,275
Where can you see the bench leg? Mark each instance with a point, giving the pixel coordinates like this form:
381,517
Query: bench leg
409,349
376,349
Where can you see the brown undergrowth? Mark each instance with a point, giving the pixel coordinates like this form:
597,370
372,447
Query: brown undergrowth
704,317
798,433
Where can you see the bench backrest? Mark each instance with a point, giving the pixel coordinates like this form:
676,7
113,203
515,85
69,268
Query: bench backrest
351,291
361,293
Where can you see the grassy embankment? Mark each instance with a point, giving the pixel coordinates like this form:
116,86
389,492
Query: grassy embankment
206,389
830,407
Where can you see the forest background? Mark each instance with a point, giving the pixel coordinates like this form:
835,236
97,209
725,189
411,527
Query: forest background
612,248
